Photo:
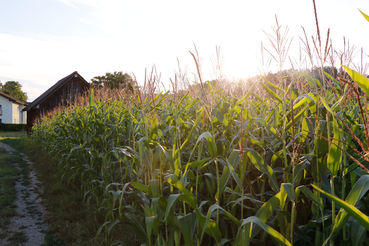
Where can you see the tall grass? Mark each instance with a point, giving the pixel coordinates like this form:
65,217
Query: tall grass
212,167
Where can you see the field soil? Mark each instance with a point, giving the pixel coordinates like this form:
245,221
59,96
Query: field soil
27,226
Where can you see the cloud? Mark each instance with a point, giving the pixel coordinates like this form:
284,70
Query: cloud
86,21
134,35
68,3
41,62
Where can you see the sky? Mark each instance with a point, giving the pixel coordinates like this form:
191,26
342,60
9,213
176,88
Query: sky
42,41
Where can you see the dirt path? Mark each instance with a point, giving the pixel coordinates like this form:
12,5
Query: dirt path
27,227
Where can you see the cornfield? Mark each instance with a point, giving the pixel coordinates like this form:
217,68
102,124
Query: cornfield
287,168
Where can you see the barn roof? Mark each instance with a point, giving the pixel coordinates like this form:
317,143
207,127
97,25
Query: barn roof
54,88
12,99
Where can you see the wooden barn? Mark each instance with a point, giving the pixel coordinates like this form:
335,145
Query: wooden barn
62,93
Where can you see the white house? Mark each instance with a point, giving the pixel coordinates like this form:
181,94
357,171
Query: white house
11,110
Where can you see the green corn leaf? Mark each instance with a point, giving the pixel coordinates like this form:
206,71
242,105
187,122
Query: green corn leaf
150,223
208,224
211,142
101,227
358,190
326,105
338,102
297,116
360,79
177,160
187,225
272,85
195,164
304,130
228,214
206,135
315,83
258,162
140,186
112,225
234,173
350,209
137,222
170,203
154,187
92,97
365,16
308,193
187,195
245,97
286,191
223,180
358,234
266,210
302,99
335,152
331,78
157,97
164,96
191,131
268,229
271,92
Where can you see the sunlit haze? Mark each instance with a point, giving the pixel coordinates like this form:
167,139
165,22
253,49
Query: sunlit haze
42,41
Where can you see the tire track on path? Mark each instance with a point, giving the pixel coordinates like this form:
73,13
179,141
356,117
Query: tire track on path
27,227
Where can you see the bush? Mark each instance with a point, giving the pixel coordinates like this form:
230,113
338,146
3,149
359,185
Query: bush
12,127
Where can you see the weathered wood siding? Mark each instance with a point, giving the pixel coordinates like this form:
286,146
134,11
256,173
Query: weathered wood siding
64,96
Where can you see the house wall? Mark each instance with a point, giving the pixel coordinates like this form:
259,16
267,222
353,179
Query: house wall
19,117
22,114
7,108
15,114
12,112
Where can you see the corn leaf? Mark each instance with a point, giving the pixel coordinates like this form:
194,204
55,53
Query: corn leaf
360,79
335,152
172,199
140,186
268,229
350,209
365,16
187,225
359,189
326,105
271,92
258,162
272,85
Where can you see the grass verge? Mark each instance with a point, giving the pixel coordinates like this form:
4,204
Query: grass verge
8,179
12,134
9,175
69,219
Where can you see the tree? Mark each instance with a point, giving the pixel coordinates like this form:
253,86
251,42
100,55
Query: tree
14,89
115,80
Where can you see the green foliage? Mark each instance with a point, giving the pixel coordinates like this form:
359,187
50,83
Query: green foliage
8,178
115,80
349,208
14,89
220,169
154,165
12,127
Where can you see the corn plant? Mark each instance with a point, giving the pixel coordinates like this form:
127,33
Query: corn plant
286,168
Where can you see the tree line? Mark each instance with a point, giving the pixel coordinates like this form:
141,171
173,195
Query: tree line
115,80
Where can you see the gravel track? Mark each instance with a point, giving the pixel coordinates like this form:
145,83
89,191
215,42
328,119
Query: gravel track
29,221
